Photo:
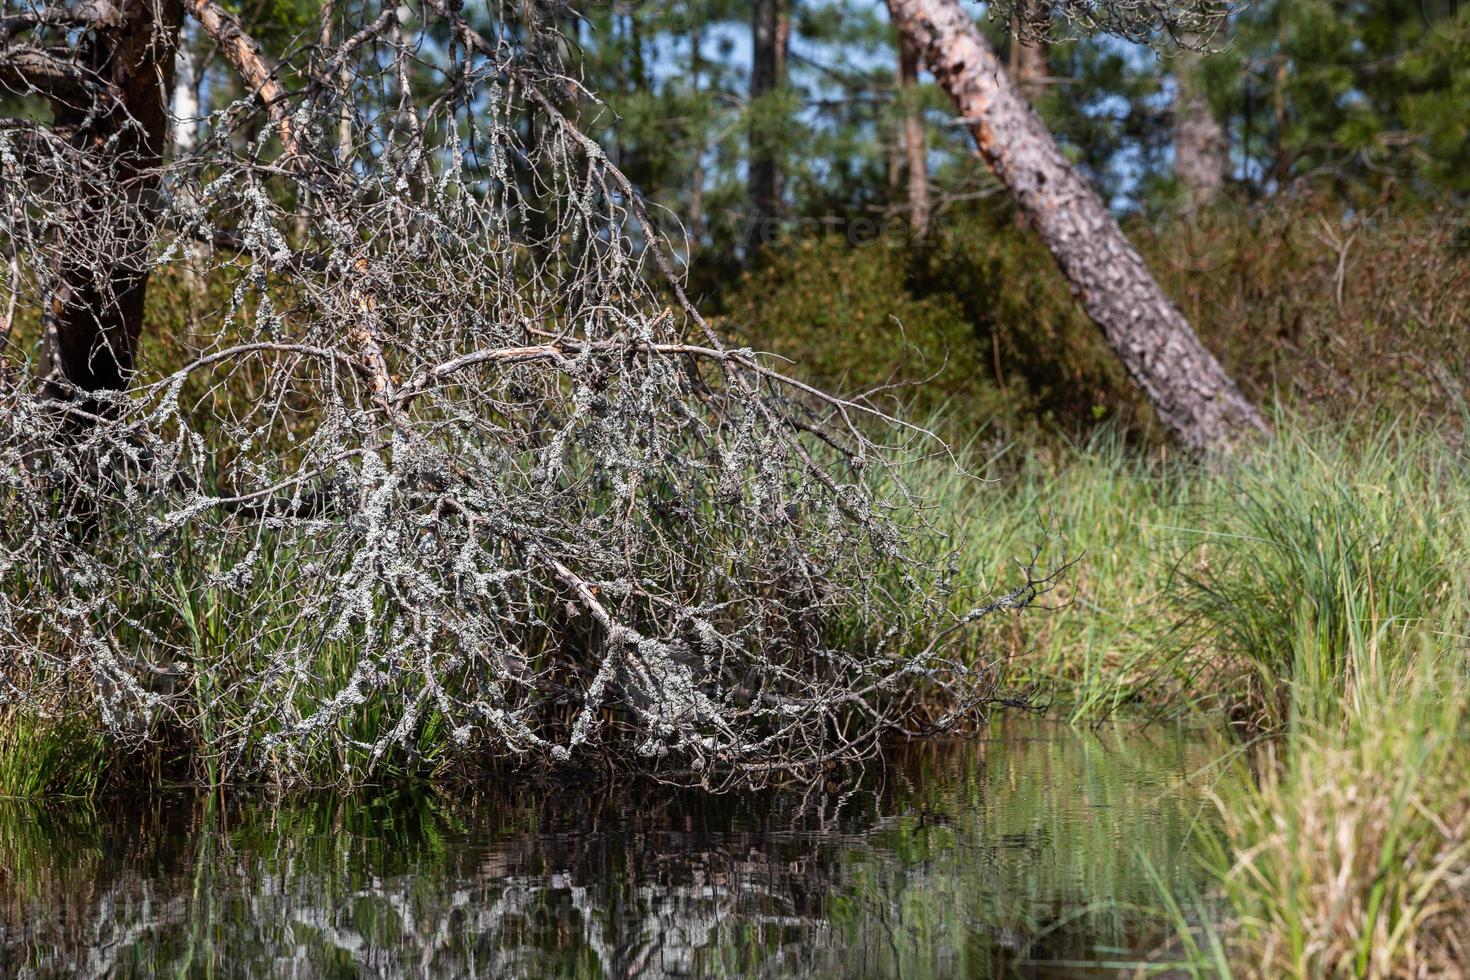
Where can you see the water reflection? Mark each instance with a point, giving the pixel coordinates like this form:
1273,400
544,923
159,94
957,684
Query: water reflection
1023,855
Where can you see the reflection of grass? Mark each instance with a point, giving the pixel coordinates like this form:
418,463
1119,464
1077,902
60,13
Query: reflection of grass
1051,864
40,847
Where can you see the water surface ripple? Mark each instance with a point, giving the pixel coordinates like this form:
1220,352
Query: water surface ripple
1026,854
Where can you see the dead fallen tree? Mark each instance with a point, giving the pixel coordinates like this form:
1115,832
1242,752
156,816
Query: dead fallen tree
449,466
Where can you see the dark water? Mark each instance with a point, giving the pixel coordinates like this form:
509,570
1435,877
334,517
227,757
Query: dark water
1027,854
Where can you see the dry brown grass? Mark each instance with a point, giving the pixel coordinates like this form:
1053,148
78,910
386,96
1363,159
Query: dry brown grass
1352,845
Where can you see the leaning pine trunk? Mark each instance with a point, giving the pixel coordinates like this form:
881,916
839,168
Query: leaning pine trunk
1192,394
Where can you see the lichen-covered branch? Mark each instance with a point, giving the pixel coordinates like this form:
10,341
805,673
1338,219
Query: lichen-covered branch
447,466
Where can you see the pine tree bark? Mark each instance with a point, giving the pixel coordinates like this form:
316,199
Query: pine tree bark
916,158
1032,62
1201,148
1188,388
770,32
94,317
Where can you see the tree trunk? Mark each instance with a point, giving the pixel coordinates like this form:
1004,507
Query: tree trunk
1192,394
1030,61
770,31
186,101
696,183
1033,67
920,204
1201,148
94,316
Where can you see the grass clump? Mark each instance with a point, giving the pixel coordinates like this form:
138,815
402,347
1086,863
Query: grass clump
1348,854
1341,607
1310,547
1308,596
1224,587
49,757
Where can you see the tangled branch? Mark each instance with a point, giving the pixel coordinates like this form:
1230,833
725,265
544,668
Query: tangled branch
443,461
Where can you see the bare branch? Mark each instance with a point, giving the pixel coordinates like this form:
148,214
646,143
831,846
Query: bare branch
434,439
91,14
249,61
37,71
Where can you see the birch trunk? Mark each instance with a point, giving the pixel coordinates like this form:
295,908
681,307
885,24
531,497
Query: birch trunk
1188,388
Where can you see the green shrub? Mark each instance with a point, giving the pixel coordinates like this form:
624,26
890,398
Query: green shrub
1049,361
1328,316
850,320
974,325
1334,316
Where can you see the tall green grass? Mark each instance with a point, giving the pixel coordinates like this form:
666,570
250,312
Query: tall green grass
1344,607
1310,596
1211,587
1345,844
1322,558
49,757
1095,645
